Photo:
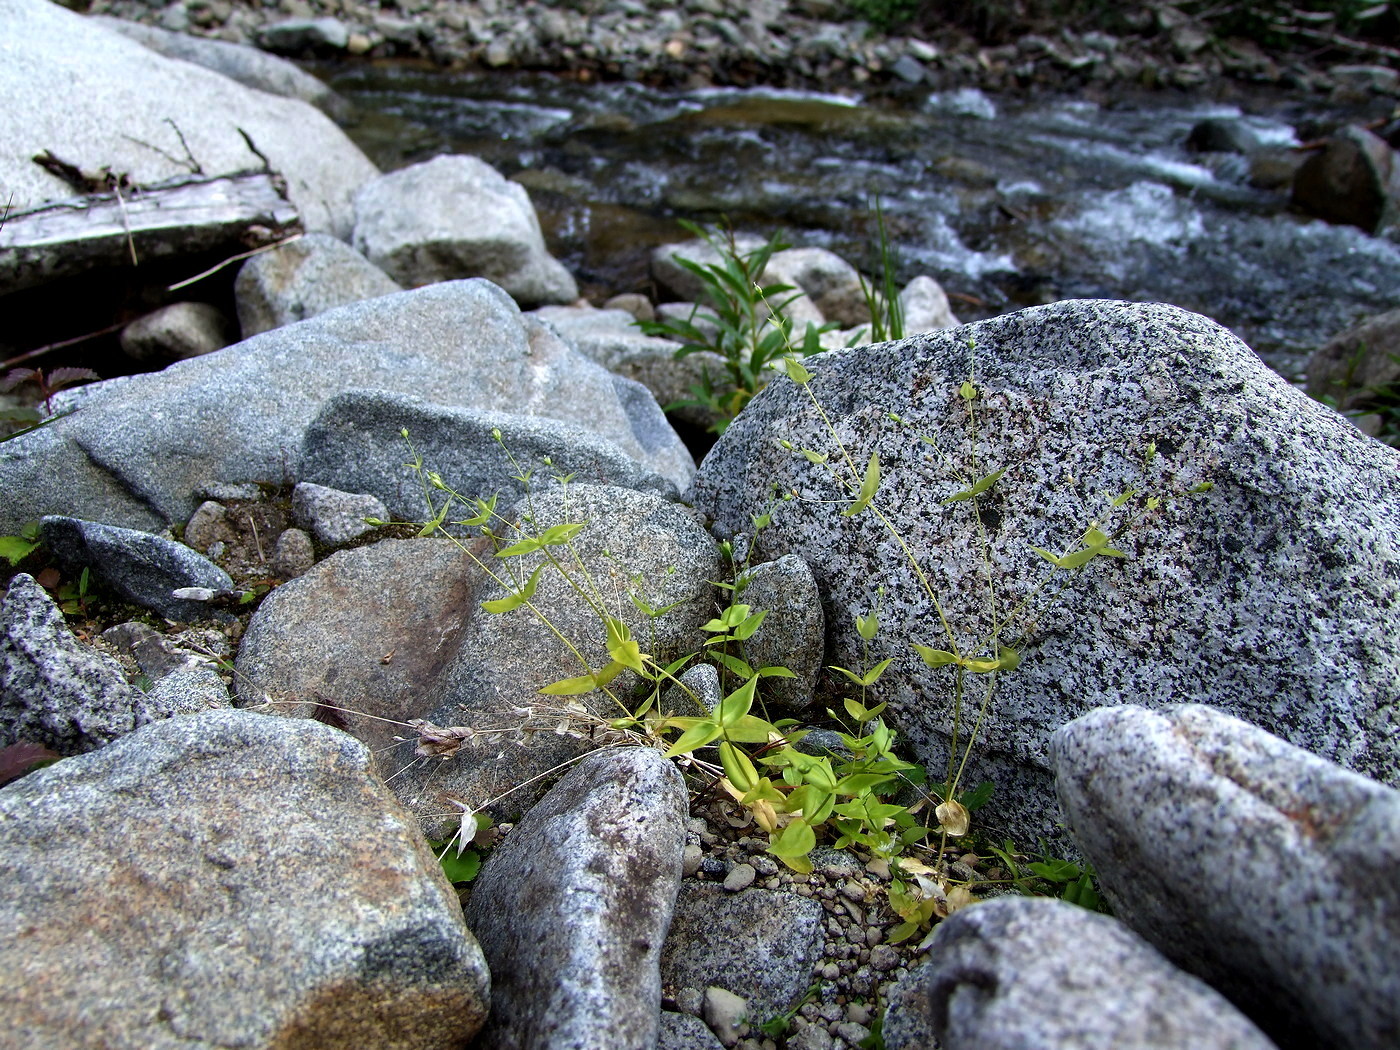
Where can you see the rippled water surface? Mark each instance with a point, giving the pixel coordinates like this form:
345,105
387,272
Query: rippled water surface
1007,203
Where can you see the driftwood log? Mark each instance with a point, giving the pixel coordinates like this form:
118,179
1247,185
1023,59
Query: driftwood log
190,215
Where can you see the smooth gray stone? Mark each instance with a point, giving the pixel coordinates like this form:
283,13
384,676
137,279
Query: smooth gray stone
96,98
760,944
793,634
176,332
1266,870
572,909
54,690
456,216
334,516
227,879
309,276
247,65
1283,581
139,451
356,444
292,36
138,566
364,632
633,543
1033,973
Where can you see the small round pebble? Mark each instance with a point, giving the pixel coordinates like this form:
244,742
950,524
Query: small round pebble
740,877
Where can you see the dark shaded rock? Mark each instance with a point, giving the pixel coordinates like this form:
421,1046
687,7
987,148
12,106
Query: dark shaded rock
1352,179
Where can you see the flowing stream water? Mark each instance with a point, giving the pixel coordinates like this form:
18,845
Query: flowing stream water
1008,203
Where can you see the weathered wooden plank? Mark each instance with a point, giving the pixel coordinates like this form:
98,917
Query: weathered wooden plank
186,216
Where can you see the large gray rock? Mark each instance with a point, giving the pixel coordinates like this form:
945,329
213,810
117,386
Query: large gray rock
793,634
247,65
139,450
334,516
362,633
309,276
829,281
227,879
633,543
1281,582
96,98
613,340
572,909
139,567
456,216
1032,973
680,281
1265,870
54,690
177,331
760,944
356,443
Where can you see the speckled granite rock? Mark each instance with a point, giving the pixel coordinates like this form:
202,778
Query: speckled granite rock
226,879
760,944
571,910
793,634
1032,973
54,690
1265,870
334,516
1273,597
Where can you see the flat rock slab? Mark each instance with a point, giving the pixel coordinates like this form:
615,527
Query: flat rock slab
356,444
96,98
362,634
571,910
1274,596
226,879
759,944
1267,871
139,450
1020,972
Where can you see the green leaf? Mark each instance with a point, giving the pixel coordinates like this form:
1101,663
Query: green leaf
1056,870
977,798
967,391
859,711
460,868
978,487
558,535
737,767
868,625
528,545
622,647
813,457
859,783
15,549
519,598
868,487
734,664
584,683
736,705
795,840
934,657
744,631
775,671
796,371
1123,498
703,732
750,730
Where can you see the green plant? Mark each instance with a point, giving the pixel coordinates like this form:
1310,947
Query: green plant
884,15
1357,400
886,308
15,549
742,320
27,419
778,1025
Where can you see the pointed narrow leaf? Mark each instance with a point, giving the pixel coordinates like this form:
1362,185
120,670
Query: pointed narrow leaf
734,664
977,488
557,535
698,735
935,657
736,705
868,487
584,683
519,598
795,840
751,730
526,546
